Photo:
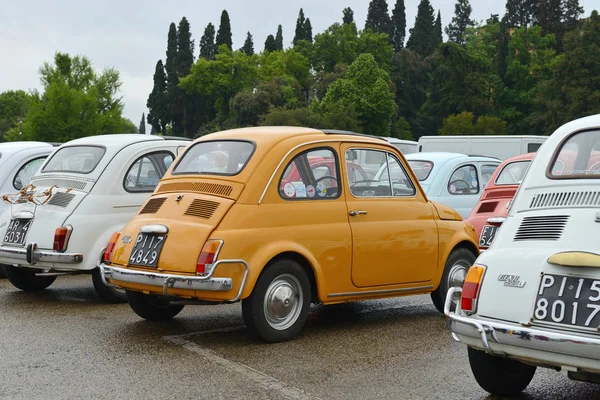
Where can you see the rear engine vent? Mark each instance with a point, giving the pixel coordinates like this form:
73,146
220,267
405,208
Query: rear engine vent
565,199
199,187
542,228
202,208
487,207
153,205
61,199
61,183
498,194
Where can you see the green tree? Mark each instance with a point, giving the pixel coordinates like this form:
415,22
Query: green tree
423,37
279,39
521,13
158,103
248,47
299,33
457,29
348,16
571,11
308,35
13,110
437,30
459,124
270,44
378,18
410,77
366,89
207,43
175,119
399,25
142,127
224,34
184,104
487,125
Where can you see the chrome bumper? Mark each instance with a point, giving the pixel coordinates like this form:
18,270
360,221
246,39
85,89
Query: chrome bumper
31,255
169,281
492,333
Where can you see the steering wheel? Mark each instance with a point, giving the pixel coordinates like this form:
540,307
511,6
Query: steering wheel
327,177
468,186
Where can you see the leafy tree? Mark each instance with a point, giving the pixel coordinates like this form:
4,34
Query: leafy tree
248,47
464,124
299,33
437,30
423,37
207,43
487,125
158,103
224,34
410,77
348,17
270,44
521,13
571,11
457,29
13,110
308,36
324,79
399,25
142,127
378,18
279,39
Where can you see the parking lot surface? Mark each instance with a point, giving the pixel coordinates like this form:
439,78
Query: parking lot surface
64,343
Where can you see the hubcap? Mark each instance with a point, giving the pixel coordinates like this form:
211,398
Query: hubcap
283,302
457,276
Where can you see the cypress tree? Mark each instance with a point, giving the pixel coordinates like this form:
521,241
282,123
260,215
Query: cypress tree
348,17
270,44
521,12
422,35
279,39
299,33
378,18
248,47
172,78
457,28
224,33
399,25
207,43
185,48
158,103
308,36
437,30
142,128
571,11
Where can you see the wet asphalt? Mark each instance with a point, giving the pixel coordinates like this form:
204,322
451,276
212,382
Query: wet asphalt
65,343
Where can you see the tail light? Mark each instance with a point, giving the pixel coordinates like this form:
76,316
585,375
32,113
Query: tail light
61,238
208,255
110,247
470,289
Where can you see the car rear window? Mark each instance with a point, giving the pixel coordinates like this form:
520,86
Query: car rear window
225,157
422,169
513,173
577,157
77,159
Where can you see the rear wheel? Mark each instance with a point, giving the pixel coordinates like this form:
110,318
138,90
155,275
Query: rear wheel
107,293
500,376
25,279
152,307
278,306
455,272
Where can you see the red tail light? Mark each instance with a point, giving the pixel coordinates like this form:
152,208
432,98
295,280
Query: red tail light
61,238
110,247
470,289
208,256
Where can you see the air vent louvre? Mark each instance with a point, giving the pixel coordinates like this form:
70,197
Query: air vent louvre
497,194
153,205
488,207
61,199
198,187
565,199
548,227
202,208
61,183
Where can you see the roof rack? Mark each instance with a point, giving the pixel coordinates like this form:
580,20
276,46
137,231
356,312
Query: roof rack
341,132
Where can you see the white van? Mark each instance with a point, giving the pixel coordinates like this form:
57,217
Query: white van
501,147
405,146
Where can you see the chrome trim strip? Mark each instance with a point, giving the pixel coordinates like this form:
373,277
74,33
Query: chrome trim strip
19,255
496,220
23,215
155,228
403,290
130,206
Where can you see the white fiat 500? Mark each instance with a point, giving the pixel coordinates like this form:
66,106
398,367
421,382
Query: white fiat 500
533,299
87,189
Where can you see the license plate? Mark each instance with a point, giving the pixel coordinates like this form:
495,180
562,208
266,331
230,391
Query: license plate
146,250
17,231
487,235
568,300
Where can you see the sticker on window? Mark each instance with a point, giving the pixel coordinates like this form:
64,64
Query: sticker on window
289,190
310,191
300,190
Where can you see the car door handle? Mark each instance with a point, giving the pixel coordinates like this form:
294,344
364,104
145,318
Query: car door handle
354,213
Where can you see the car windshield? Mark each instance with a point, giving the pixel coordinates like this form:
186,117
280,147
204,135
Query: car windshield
227,157
422,169
578,156
77,159
513,173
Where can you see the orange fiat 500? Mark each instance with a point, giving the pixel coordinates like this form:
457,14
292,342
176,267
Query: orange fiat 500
221,227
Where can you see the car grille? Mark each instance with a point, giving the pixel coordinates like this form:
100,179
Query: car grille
497,194
61,199
153,205
565,199
198,187
541,228
202,208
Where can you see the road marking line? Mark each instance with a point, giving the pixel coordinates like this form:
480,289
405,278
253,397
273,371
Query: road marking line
266,381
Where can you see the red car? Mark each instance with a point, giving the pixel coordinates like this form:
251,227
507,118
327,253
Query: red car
492,208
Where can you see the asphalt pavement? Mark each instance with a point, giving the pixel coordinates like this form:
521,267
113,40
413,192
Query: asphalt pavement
65,343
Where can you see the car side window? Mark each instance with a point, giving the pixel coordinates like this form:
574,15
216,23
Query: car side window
464,181
311,175
402,185
26,172
389,179
146,171
486,173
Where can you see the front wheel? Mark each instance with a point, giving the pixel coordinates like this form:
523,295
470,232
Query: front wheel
455,272
500,376
278,306
107,293
152,307
25,279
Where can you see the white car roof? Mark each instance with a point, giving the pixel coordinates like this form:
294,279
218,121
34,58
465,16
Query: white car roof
114,140
442,157
16,146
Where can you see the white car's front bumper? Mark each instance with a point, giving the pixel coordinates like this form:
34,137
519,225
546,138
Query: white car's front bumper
535,345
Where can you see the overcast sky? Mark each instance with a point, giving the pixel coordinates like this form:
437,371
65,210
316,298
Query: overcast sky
131,35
